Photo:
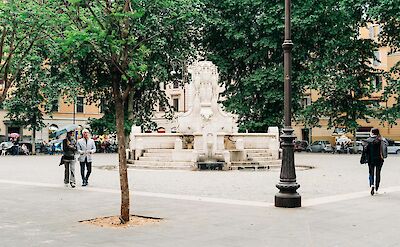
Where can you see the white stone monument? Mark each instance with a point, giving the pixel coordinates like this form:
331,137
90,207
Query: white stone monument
214,133
205,114
205,119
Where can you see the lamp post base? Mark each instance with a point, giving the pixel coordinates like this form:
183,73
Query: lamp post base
287,200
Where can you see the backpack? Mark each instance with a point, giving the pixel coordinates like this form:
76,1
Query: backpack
384,146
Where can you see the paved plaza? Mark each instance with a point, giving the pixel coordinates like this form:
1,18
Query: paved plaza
207,208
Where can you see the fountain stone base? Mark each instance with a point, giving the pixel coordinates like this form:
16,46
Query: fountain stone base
210,165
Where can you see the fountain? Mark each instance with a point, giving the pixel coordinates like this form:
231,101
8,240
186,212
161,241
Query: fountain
216,141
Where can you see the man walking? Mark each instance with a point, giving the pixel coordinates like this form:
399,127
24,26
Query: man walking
86,147
69,148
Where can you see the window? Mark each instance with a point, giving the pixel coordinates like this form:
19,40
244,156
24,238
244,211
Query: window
377,58
161,107
377,83
306,101
79,104
101,106
176,84
176,104
340,130
379,31
54,106
163,85
371,32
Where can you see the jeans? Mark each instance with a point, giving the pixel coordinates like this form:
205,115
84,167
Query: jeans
69,172
375,176
88,166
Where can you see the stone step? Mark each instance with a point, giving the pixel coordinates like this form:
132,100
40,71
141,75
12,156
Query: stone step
159,150
248,162
259,159
157,155
257,151
259,154
249,165
162,163
154,167
271,162
155,158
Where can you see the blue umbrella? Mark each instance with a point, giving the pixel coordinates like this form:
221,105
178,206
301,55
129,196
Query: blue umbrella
55,142
65,129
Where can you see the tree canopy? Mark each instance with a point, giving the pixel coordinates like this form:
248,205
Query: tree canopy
121,48
244,38
23,25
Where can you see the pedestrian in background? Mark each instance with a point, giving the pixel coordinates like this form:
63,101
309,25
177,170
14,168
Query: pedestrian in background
69,148
86,147
376,152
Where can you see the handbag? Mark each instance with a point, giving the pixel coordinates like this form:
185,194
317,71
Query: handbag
364,156
61,161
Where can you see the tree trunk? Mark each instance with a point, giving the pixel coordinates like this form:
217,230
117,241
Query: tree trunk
355,139
33,142
123,173
131,116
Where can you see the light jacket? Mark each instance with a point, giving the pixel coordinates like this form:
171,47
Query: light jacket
86,149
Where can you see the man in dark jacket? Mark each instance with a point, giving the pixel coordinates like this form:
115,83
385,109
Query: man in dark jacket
375,155
69,148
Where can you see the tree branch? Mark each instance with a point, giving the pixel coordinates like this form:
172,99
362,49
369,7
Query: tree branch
3,37
25,53
13,48
95,16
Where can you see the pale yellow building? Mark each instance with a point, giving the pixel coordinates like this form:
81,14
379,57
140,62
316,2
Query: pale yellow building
385,61
63,114
179,97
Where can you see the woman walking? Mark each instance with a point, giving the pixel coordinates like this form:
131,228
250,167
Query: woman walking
69,147
376,152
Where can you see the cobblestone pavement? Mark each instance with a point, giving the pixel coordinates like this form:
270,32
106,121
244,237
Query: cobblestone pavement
207,208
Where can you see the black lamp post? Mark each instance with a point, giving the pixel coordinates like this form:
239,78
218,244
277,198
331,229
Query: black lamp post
73,114
184,74
287,197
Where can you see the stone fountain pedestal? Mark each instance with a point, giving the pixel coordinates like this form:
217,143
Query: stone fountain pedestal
214,139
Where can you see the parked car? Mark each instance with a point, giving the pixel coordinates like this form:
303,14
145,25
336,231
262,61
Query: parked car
320,146
359,148
300,146
27,145
5,147
394,147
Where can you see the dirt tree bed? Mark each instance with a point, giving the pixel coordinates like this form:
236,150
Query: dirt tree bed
115,222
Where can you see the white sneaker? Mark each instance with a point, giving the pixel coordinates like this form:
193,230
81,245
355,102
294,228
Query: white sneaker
66,185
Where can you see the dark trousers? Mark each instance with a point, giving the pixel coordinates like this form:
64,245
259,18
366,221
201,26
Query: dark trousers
88,166
375,174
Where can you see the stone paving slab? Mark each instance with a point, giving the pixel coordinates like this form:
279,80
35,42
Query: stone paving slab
48,215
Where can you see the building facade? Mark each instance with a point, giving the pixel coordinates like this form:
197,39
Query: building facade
385,60
63,114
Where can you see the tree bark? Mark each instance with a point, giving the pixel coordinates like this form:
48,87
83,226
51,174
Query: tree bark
131,115
123,173
33,141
